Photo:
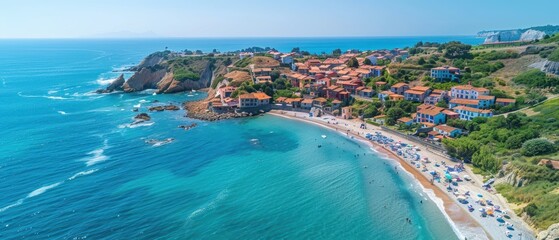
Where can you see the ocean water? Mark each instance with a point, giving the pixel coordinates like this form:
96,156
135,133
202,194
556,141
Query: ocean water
72,166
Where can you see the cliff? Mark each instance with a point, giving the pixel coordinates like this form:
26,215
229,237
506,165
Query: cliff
115,85
547,66
527,34
552,233
169,72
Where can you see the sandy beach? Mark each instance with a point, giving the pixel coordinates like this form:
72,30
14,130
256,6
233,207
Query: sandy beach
468,225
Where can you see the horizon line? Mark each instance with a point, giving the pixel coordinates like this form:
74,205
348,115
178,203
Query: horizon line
227,37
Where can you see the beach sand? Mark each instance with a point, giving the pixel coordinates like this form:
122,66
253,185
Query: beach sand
467,225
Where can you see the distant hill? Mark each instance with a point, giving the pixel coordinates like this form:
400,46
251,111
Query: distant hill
526,34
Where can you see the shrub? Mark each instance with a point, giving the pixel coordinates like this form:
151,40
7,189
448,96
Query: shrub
536,147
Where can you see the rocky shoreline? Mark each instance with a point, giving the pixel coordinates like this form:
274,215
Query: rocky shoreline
199,110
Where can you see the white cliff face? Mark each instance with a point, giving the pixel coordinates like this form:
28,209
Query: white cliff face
552,233
531,35
511,35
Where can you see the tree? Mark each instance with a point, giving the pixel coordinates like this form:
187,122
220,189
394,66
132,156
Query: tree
305,53
395,113
421,61
537,146
296,50
485,159
370,111
353,63
275,75
442,103
337,52
461,148
456,49
367,61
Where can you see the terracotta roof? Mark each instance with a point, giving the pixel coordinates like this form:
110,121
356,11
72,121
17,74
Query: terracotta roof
485,97
414,92
322,100
433,133
380,83
470,109
307,101
448,112
552,163
399,85
420,88
336,101
470,87
257,95
446,128
431,110
465,101
405,119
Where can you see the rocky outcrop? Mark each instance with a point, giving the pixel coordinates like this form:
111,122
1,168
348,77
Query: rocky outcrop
115,85
552,233
169,84
547,66
144,79
151,60
509,175
142,116
169,107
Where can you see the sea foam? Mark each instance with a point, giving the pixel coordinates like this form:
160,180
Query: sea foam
83,173
42,190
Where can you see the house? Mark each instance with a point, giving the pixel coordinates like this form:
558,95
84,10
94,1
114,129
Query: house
306,103
286,58
473,103
395,97
262,71
504,101
377,70
405,120
294,102
467,92
347,112
430,114
319,102
448,131
365,92
549,163
336,104
373,58
468,113
384,95
380,84
451,115
263,79
417,94
244,55
399,88
435,97
336,92
226,92
380,119
253,100
445,73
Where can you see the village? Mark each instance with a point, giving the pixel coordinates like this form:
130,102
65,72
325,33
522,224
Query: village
332,86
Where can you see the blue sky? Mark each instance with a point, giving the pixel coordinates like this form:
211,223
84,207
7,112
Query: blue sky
266,18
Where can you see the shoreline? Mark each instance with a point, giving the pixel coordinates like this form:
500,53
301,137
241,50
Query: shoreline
464,224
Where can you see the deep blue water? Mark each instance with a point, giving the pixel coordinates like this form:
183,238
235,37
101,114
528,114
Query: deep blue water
71,166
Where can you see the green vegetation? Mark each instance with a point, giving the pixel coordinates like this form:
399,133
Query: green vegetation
183,74
496,55
520,141
353,63
536,78
243,63
554,56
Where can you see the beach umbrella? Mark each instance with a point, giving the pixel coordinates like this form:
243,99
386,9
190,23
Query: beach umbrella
479,195
448,176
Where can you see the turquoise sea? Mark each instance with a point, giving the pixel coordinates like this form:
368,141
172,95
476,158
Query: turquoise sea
71,166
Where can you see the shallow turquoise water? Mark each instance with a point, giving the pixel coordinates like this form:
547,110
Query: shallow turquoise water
71,167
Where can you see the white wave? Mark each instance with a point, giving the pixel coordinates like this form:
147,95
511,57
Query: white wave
104,81
83,173
211,205
135,125
19,202
52,91
137,105
62,112
143,101
42,96
97,155
42,190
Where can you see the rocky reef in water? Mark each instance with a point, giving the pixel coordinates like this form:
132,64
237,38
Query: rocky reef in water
170,72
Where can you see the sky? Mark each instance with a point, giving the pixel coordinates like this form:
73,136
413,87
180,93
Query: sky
267,18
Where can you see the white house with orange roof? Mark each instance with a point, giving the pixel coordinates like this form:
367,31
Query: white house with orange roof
254,100
467,92
469,113
417,94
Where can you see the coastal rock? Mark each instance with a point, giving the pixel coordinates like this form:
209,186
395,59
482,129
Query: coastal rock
547,66
171,107
143,79
552,233
511,35
151,60
169,84
115,85
143,116
156,108
509,175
